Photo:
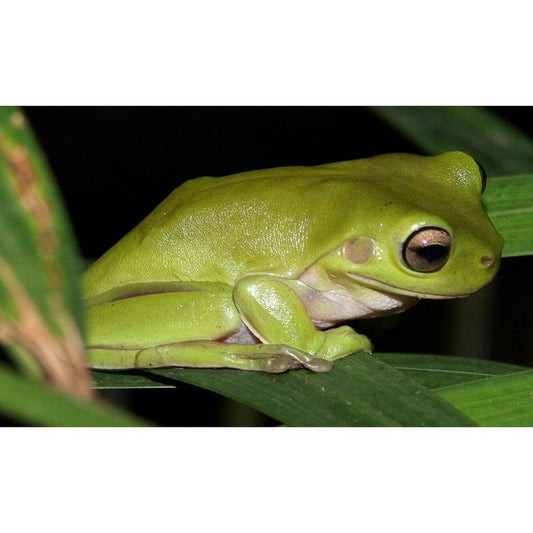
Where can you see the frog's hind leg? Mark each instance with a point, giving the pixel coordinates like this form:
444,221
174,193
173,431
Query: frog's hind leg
183,325
208,354
176,313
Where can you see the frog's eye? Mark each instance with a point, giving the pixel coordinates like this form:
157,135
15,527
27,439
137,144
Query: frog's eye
427,249
483,176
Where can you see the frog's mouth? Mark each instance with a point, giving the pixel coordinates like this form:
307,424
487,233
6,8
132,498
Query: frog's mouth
386,287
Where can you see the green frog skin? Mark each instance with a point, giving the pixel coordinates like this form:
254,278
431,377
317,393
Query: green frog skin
258,270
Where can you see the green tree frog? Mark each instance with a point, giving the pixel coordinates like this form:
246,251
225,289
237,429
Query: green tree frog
257,270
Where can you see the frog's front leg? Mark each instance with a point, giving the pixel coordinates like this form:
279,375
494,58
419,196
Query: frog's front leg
275,314
179,324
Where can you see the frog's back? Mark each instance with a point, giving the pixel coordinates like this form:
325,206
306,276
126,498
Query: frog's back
275,220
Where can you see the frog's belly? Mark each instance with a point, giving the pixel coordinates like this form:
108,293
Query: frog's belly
330,307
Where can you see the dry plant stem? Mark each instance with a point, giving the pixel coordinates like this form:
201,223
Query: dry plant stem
61,358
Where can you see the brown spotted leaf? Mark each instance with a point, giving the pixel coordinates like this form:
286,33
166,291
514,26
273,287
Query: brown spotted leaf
39,309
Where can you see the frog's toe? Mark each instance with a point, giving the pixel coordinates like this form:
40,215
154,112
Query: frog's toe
319,365
280,364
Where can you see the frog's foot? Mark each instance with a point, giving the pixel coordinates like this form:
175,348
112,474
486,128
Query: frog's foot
280,357
342,341
209,354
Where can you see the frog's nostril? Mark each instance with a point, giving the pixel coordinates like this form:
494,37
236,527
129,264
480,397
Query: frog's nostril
487,261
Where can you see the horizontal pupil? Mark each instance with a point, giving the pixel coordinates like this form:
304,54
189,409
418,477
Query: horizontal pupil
433,252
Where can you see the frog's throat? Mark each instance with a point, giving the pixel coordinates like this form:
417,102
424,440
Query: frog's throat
376,284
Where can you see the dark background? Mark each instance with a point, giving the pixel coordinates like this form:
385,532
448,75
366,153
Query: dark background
115,164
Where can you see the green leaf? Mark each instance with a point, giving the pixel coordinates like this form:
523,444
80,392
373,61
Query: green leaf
509,203
435,371
131,379
361,390
40,310
292,392
36,236
498,401
431,371
499,146
32,403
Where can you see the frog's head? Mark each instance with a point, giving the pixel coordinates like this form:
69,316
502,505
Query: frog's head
428,235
